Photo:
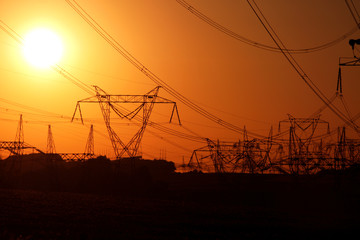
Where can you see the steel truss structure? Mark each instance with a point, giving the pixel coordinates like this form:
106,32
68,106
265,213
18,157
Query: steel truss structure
145,103
77,157
18,146
307,150
249,156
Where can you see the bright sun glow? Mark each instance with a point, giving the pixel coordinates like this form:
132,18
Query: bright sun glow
42,48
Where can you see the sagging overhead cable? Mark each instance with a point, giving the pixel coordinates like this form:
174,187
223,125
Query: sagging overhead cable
354,13
112,42
89,90
297,67
56,67
245,40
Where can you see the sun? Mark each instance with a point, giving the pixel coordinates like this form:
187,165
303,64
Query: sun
42,48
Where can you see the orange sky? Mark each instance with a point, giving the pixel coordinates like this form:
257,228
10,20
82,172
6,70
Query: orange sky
239,83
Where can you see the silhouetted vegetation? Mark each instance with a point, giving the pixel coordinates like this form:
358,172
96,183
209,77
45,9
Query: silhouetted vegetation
353,170
99,175
43,197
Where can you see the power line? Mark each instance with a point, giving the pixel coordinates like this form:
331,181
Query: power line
250,42
56,67
297,67
42,112
89,90
112,42
84,87
354,12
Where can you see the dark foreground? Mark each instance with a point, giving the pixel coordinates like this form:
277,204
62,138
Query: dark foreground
46,198
191,206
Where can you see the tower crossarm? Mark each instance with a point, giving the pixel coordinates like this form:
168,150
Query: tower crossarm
145,106
14,146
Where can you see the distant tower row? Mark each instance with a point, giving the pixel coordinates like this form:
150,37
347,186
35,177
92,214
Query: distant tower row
89,147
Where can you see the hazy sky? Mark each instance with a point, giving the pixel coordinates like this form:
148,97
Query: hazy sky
239,83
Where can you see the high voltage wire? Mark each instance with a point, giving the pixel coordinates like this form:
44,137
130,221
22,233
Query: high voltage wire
297,67
112,42
141,67
315,114
45,113
11,33
147,83
73,79
245,40
164,129
108,76
108,38
89,90
56,67
42,114
353,11
229,32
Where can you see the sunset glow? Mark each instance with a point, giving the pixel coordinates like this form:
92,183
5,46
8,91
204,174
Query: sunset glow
216,55
42,48
179,119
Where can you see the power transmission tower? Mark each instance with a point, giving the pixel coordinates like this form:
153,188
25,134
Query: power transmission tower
301,157
347,151
247,156
50,148
145,103
19,138
18,146
89,147
348,61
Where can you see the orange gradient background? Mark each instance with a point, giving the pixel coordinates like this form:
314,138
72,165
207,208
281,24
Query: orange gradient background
239,83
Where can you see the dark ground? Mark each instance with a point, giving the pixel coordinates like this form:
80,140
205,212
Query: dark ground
184,206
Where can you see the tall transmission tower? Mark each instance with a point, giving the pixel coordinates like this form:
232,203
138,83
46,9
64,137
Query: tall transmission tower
18,146
302,157
145,103
246,156
50,147
19,138
347,151
89,147
348,62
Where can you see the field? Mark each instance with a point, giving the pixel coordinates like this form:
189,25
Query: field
190,206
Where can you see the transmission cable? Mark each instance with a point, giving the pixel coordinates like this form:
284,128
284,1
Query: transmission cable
354,12
87,89
111,41
297,67
245,40
56,67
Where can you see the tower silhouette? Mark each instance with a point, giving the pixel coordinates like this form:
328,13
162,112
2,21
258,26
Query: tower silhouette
89,147
50,148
